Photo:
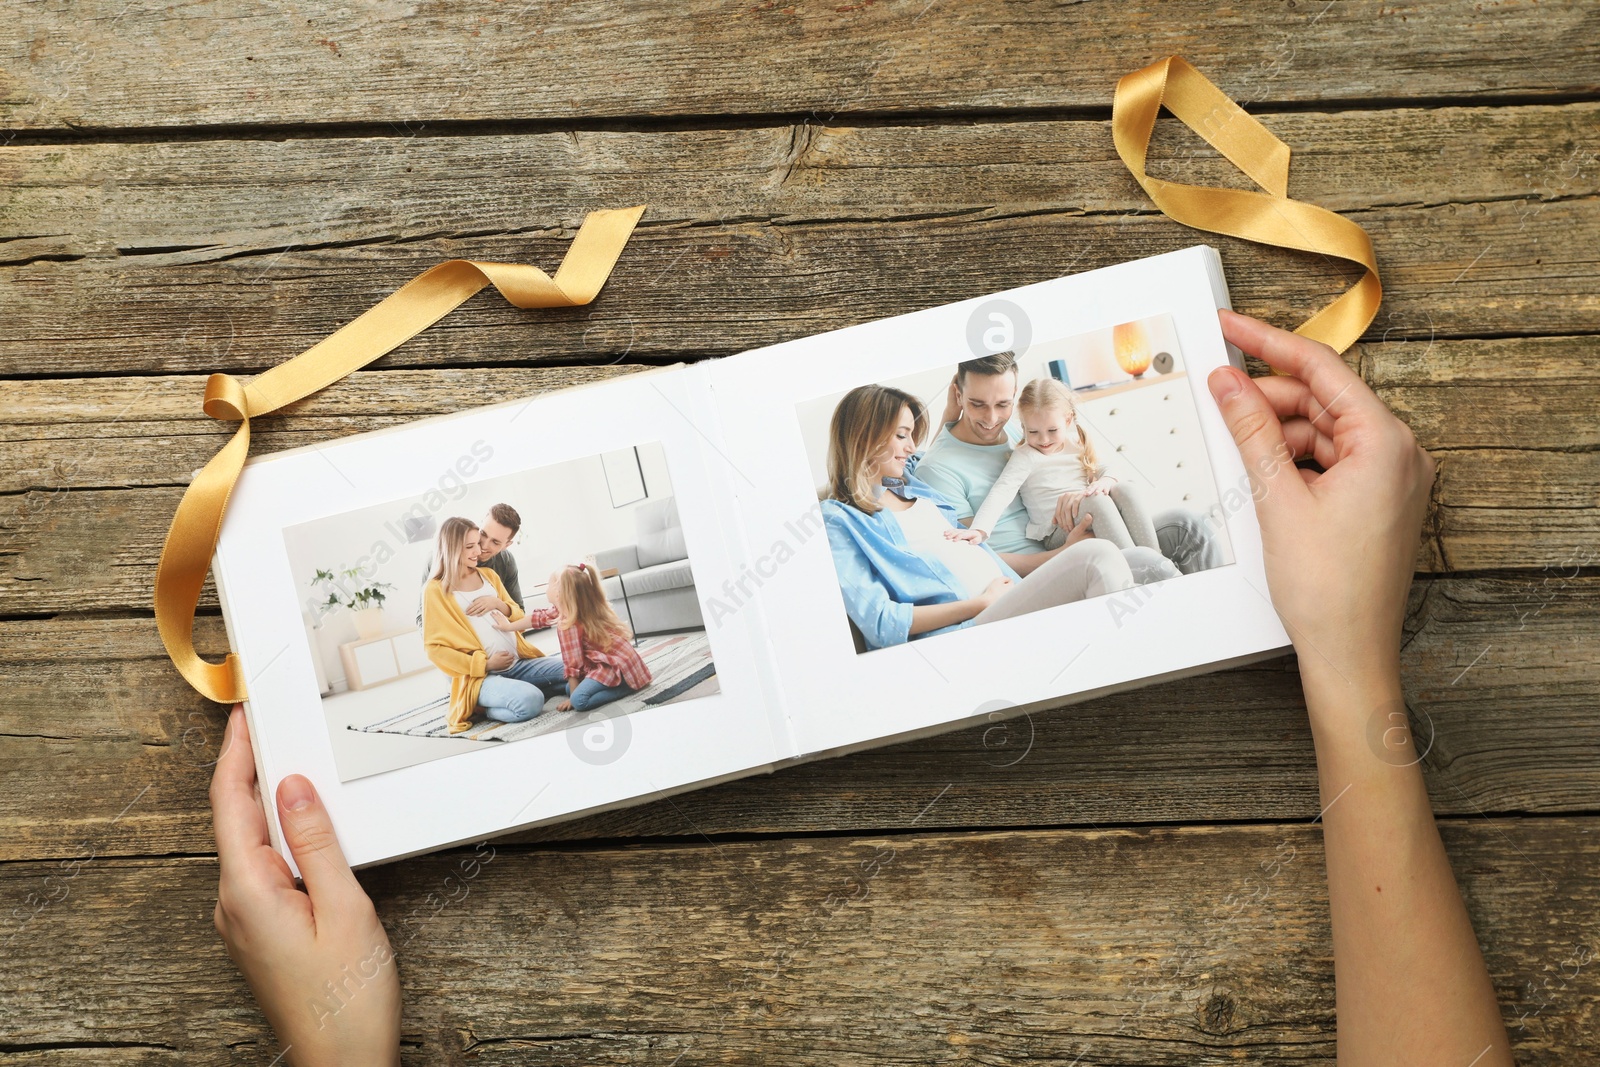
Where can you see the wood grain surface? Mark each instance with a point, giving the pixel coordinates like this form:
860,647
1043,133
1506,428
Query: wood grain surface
1130,880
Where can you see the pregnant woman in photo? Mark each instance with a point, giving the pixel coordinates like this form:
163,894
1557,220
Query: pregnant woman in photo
902,573
487,666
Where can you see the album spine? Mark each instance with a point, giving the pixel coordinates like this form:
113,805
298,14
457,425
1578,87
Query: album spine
258,745
731,517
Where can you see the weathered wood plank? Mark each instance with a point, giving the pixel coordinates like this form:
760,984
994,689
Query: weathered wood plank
1501,674
63,433
1517,409
96,549
1453,270
205,200
1142,946
117,66
1512,422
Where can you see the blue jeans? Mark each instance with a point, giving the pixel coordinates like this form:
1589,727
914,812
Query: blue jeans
517,693
591,694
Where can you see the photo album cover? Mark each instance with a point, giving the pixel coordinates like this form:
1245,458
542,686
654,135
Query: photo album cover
551,606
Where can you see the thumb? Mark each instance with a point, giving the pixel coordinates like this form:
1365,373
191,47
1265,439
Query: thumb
311,839
1256,430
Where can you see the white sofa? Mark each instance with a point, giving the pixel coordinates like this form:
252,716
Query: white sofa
654,572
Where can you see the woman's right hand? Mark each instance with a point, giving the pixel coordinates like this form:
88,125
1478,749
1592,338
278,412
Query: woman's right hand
994,591
499,661
1340,546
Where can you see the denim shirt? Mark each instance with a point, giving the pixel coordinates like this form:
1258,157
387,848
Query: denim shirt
881,578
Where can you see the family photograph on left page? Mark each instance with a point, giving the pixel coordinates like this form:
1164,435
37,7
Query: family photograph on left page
477,613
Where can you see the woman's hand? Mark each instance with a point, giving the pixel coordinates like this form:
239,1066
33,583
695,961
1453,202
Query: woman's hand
318,960
1340,546
994,591
487,603
975,537
499,661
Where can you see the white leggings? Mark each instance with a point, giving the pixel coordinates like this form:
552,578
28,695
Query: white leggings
1090,567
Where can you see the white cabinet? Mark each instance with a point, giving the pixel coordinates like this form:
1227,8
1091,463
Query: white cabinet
1149,432
375,660
409,653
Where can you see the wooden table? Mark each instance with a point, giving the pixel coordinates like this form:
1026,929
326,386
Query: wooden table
1135,880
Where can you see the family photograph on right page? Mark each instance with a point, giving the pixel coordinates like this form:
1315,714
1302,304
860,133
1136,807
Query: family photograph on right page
1027,496
1077,463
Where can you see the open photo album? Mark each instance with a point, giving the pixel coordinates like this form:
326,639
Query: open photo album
551,606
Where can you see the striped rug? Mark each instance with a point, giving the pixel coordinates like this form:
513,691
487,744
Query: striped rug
680,666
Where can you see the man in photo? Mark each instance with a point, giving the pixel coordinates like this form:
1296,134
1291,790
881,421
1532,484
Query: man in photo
496,532
970,451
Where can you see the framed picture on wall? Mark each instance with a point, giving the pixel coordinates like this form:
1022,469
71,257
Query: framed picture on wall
624,476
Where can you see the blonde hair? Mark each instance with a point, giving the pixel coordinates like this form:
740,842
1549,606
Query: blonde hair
584,605
447,551
1048,394
857,435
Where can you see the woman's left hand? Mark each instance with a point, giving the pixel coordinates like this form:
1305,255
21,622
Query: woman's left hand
318,960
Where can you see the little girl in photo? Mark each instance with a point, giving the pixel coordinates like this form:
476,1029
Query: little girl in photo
596,646
1055,458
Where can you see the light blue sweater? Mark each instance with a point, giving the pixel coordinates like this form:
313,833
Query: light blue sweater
879,575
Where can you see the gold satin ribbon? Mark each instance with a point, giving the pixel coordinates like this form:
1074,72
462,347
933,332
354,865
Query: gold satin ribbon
1272,219
427,298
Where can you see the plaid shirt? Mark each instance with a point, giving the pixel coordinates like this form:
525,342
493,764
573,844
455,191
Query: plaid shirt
620,664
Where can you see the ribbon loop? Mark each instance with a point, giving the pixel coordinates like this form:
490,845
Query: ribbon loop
424,300
225,398
1272,217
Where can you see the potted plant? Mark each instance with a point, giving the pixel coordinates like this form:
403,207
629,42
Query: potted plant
347,588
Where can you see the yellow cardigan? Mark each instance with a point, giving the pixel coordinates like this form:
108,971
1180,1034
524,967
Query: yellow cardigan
454,648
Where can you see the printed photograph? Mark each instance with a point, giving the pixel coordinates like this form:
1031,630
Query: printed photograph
1010,482
484,612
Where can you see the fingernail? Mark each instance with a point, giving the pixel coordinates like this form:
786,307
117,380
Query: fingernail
296,793
1225,384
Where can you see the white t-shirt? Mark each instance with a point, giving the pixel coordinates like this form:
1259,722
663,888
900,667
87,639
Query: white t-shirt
924,526
493,640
